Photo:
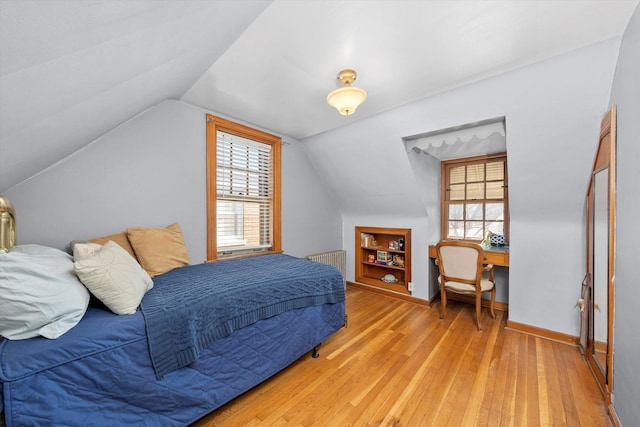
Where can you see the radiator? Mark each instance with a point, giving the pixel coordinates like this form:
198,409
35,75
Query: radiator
338,259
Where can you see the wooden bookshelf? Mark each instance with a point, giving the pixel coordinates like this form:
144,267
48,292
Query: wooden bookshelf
383,251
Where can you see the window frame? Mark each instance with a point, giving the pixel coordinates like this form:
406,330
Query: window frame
215,124
445,165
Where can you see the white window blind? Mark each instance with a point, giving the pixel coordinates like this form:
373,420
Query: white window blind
244,184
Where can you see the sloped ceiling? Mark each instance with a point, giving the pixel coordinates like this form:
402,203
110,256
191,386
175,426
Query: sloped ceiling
71,70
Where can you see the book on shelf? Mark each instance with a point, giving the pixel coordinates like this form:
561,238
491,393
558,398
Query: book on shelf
367,240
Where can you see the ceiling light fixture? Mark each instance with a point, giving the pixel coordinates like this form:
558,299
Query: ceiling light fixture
347,98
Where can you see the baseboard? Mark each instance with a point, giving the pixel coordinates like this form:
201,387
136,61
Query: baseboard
543,333
389,293
613,416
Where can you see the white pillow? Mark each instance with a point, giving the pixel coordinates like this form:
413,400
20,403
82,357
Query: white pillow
39,293
114,277
83,250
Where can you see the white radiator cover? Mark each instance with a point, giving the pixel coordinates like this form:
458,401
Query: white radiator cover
337,259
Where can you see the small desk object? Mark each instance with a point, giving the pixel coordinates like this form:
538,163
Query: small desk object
496,255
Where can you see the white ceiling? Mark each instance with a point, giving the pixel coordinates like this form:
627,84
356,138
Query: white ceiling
280,70
71,70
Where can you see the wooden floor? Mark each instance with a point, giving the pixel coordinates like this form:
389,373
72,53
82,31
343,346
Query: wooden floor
398,364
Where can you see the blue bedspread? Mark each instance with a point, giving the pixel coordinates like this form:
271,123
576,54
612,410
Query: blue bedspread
100,374
191,307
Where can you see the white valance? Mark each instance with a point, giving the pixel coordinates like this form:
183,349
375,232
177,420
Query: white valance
462,141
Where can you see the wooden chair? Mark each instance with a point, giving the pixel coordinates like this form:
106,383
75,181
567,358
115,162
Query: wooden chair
461,270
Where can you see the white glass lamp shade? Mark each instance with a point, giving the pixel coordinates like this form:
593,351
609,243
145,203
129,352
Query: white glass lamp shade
347,99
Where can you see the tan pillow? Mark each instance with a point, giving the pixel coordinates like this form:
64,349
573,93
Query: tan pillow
119,238
159,249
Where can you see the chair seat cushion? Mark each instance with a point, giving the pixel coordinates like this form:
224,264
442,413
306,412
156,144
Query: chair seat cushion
485,285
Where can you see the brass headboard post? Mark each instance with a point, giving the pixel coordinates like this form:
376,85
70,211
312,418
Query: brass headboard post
7,225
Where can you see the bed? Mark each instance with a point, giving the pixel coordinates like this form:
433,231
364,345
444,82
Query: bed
179,357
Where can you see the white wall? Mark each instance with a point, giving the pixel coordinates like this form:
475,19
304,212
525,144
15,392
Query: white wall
151,172
626,361
552,109
426,174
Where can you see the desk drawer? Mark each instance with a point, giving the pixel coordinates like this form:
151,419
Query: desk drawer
497,258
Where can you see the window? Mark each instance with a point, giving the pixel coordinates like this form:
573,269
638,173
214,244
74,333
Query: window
243,190
474,197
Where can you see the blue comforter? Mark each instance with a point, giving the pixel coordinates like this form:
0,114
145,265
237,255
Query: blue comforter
191,307
100,373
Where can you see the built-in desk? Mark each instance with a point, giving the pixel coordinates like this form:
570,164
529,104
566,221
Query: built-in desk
496,255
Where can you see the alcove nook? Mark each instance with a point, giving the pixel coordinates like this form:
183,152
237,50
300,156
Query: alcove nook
427,150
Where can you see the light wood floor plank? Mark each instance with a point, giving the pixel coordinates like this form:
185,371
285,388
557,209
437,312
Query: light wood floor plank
543,397
472,412
398,364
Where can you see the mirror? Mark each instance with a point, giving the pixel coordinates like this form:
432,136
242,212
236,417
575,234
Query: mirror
600,268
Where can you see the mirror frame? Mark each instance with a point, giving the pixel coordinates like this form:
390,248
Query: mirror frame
605,159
